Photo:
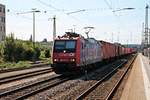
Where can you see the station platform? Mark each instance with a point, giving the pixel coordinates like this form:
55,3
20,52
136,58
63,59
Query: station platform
138,83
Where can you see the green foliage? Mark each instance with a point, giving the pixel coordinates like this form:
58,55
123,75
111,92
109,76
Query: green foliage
16,50
1,52
9,49
37,52
47,53
28,53
15,53
15,65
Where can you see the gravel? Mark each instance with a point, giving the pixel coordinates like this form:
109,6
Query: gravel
71,88
104,89
23,82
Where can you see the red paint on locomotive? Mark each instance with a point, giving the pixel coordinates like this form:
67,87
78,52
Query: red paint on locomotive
73,51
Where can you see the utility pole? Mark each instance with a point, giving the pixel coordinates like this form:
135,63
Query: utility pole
146,27
148,47
33,28
143,35
131,37
112,37
54,28
127,43
74,28
118,37
33,11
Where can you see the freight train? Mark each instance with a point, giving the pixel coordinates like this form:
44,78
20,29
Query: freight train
73,52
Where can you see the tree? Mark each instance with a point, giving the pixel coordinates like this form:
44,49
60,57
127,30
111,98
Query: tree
44,40
30,38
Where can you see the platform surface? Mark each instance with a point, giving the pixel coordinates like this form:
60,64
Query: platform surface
138,83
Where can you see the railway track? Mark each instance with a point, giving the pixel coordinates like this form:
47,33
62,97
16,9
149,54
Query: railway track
33,88
99,90
24,75
113,90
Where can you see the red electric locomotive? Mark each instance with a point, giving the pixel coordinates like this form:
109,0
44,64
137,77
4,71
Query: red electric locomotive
72,52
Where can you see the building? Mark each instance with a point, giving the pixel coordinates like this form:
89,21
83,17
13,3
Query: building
2,23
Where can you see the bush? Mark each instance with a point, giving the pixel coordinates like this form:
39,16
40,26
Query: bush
1,50
37,52
1,53
28,54
9,49
47,53
16,50
19,50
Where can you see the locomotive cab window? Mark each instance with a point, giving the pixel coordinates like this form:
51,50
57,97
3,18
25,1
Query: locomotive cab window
67,45
60,45
70,44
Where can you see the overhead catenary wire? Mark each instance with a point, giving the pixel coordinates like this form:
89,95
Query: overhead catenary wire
60,10
49,5
109,6
20,14
16,14
70,13
75,11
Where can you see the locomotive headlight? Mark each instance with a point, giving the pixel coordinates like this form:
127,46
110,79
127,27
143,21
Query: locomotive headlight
55,59
72,60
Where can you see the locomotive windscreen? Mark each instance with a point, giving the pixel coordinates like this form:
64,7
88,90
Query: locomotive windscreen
67,45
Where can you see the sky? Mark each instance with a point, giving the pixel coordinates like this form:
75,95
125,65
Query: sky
123,26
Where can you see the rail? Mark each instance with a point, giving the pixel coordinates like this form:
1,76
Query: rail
34,87
24,75
111,93
86,92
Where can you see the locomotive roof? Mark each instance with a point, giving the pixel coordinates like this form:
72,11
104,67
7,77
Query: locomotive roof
74,36
69,35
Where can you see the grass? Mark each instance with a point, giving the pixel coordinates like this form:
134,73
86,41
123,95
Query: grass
46,60
20,64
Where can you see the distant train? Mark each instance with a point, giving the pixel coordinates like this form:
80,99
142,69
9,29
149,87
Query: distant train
73,52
